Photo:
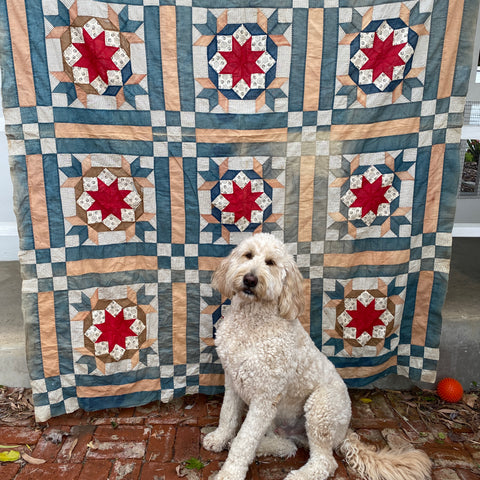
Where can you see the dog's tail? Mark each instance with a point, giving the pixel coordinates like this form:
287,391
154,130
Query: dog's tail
386,464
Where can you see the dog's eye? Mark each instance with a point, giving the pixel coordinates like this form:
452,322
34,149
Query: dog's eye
248,255
270,262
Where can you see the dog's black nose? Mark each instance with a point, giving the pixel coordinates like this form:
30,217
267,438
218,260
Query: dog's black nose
250,280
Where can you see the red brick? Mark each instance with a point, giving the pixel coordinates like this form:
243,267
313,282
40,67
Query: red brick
119,421
444,474
95,469
47,471
172,435
75,418
101,416
439,432
9,471
21,422
125,470
468,474
123,416
376,423
360,409
397,400
19,436
297,461
302,456
124,433
270,471
75,446
126,412
121,450
340,472
417,431
372,437
206,455
130,420
160,444
274,471
148,410
474,449
351,474
158,471
45,448
195,409
107,413
171,413
187,443
449,455
206,422
252,473
380,407
214,405
274,467
207,473
209,469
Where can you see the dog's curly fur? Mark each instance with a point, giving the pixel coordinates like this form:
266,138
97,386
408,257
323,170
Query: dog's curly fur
293,392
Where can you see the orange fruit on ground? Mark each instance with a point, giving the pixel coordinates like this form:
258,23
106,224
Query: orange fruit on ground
450,390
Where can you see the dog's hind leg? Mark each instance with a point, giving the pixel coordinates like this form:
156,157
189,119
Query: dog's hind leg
325,425
273,444
230,416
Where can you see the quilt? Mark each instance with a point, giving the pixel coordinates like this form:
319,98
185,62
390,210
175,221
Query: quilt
149,137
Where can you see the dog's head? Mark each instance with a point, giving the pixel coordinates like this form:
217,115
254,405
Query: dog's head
260,269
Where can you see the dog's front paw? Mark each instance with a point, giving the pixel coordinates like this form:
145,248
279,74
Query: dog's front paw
215,441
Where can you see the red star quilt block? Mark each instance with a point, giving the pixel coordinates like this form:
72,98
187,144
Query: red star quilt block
386,57
98,70
238,66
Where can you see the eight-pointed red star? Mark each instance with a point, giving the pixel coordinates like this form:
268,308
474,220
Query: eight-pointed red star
370,195
383,56
96,56
115,330
242,201
109,199
241,61
365,318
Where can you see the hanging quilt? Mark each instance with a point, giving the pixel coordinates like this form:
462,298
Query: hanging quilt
148,137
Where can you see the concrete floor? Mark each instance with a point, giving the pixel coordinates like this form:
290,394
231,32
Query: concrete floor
13,364
459,349
460,342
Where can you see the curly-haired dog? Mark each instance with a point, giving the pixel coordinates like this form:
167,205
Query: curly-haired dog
290,387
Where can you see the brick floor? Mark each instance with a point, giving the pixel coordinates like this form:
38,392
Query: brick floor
153,442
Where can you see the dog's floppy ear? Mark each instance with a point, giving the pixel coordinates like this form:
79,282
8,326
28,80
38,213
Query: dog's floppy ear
292,300
219,279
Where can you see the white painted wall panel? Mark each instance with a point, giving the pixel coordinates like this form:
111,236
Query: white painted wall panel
8,225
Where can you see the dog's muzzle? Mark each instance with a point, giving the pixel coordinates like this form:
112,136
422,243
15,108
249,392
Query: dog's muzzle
249,282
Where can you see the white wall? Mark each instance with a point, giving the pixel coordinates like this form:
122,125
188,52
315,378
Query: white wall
8,225
467,215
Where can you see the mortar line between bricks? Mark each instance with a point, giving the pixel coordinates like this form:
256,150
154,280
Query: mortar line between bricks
140,473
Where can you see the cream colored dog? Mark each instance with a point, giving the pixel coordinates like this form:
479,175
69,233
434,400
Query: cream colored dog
290,387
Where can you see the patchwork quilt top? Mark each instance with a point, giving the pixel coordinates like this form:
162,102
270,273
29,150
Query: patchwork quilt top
148,137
